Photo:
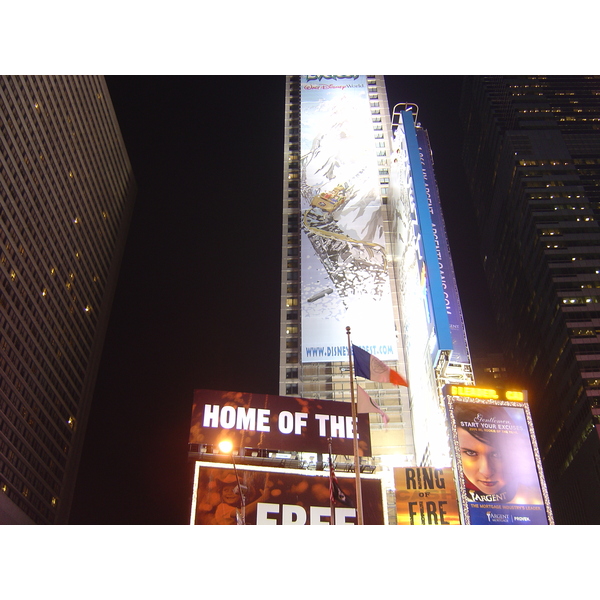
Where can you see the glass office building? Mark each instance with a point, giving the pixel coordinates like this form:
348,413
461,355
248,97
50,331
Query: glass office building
66,197
532,158
364,247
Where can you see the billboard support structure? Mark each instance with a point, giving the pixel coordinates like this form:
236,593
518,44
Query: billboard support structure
241,491
359,511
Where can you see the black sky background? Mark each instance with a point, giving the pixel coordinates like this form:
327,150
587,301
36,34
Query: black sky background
197,304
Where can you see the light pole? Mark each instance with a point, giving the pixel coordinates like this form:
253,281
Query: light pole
226,447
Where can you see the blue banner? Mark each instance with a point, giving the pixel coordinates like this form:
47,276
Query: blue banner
460,352
436,288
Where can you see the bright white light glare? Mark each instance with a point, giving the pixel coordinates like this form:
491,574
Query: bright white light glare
225,446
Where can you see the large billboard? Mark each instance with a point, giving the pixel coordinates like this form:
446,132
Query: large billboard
279,497
416,266
344,263
276,423
426,496
498,465
428,242
445,267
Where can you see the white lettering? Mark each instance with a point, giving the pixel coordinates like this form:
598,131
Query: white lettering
337,426
300,422
342,515
211,415
246,420
350,428
318,514
263,509
285,421
293,515
227,419
322,427
263,420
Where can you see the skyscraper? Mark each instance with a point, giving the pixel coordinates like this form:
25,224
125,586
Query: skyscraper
364,247
66,197
532,157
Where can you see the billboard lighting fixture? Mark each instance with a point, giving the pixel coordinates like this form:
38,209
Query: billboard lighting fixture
226,447
349,468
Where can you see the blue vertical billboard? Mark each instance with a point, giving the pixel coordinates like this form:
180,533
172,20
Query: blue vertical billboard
428,242
344,263
451,301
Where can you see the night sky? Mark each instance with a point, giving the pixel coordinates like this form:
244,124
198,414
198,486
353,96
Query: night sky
197,304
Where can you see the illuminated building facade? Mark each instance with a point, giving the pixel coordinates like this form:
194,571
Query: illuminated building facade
66,197
364,247
532,157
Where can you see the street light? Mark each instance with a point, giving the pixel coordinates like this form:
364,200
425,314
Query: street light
226,447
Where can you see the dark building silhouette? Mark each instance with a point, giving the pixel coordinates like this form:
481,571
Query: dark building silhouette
532,158
490,370
66,197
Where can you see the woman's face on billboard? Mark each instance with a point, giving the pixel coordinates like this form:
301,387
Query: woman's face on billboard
482,464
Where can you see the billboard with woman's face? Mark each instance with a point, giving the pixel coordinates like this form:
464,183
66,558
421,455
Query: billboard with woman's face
497,461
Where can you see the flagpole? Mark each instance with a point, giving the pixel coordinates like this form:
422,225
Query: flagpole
331,505
359,510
